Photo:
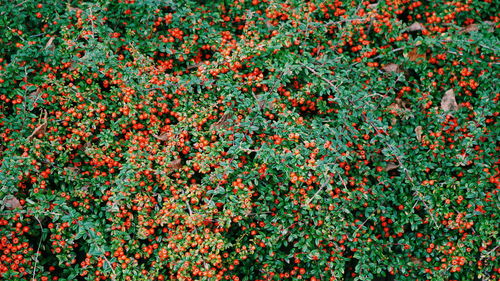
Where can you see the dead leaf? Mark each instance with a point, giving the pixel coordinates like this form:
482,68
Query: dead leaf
416,26
491,24
391,166
35,95
12,203
402,104
413,55
176,164
418,132
222,122
40,129
265,104
395,109
78,10
85,146
416,261
448,102
73,170
469,28
162,137
49,43
394,106
399,107
392,67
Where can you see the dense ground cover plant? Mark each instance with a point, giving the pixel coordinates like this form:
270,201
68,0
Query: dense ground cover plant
249,140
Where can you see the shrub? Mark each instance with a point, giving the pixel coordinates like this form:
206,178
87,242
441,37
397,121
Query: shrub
249,140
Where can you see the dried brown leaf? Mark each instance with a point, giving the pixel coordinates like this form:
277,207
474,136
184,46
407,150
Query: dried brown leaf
222,122
399,106
448,102
469,28
176,164
391,166
402,104
49,43
491,24
78,10
73,170
416,26
162,137
394,107
41,128
12,203
265,104
416,261
34,95
413,55
418,133
392,67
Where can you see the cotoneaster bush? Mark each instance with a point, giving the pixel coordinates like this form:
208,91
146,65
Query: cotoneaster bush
249,140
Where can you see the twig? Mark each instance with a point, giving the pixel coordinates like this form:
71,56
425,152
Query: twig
189,207
371,95
486,254
109,264
379,56
318,75
38,35
261,106
21,4
361,225
486,47
40,127
343,182
113,277
343,21
38,248
407,173
319,190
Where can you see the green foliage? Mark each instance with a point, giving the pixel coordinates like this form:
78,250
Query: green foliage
249,140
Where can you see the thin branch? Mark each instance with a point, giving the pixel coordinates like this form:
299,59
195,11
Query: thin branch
361,225
318,75
381,55
189,207
343,21
486,254
109,264
407,173
113,277
38,248
40,127
343,182
315,194
21,4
